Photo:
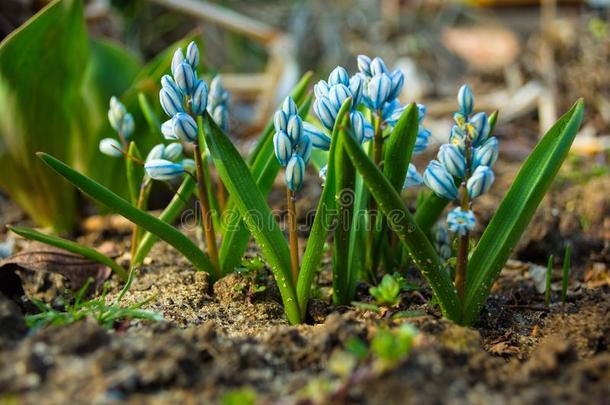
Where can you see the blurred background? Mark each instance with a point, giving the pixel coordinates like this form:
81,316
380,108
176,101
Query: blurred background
529,59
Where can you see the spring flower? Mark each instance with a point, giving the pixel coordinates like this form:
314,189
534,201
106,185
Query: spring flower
295,172
161,169
439,180
413,178
184,127
487,154
122,122
171,152
451,157
218,103
460,221
480,181
192,55
111,147
319,139
282,146
362,130
465,100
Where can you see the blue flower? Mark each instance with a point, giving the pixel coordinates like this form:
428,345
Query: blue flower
321,89
290,107
487,154
465,100
421,142
356,88
460,221
295,172
413,178
171,101
378,67
325,112
282,145
218,103
303,148
480,123
188,165
362,130
185,127
439,180
338,76
319,139
157,152
398,79
185,77
364,65
192,55
294,129
280,121
453,160
120,120
111,147
177,59
167,129
337,95
480,181
173,151
161,169
379,88
199,101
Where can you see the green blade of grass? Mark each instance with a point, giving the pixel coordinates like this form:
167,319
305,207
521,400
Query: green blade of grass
322,220
403,224
255,212
106,197
517,209
175,207
264,170
399,147
70,246
566,273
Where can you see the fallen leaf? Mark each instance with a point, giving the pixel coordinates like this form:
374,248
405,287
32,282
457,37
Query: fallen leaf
75,268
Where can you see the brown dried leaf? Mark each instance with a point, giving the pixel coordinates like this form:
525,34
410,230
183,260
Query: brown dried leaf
75,268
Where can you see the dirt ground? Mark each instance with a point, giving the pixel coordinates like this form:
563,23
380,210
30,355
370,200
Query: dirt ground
221,341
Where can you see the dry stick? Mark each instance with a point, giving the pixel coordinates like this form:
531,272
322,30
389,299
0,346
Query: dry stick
206,215
292,234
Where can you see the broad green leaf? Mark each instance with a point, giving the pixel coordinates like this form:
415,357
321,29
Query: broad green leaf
70,246
169,214
403,224
106,197
429,211
264,170
399,147
255,212
322,221
517,209
42,68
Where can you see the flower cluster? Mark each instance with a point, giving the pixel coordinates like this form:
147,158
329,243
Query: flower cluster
464,163
166,162
183,95
218,103
122,122
292,144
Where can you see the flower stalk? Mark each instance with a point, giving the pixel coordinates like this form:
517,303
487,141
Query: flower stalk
292,234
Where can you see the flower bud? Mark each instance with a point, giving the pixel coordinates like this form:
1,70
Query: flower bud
294,129
480,181
280,121
439,180
398,80
364,65
453,160
173,151
358,126
177,59
457,137
487,154
321,89
128,126
356,88
460,221
185,78
218,93
480,123
161,169
188,165
220,115
116,113
167,129
295,172
465,100
338,76
379,89
168,81
378,66
171,101
413,177
157,152
319,139
337,95
199,101
192,55
289,107
325,112
421,141
185,127
282,145
304,148
111,147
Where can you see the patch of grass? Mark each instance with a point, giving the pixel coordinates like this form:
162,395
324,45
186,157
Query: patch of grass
96,308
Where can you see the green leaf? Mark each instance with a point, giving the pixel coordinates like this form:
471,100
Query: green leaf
264,170
325,213
403,224
169,214
140,218
256,214
42,69
399,147
517,209
70,246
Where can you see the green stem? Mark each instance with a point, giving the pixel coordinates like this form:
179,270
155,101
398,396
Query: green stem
566,273
371,256
141,205
293,237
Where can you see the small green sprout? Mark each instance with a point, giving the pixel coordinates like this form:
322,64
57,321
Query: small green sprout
387,292
391,346
105,314
239,396
251,270
566,273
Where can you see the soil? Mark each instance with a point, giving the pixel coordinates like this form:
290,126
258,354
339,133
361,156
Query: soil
223,339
